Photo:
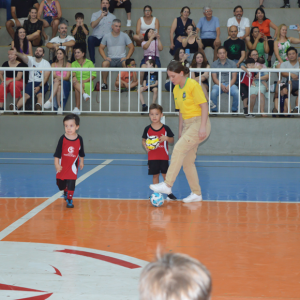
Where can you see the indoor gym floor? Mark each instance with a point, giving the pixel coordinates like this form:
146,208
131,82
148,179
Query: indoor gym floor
246,231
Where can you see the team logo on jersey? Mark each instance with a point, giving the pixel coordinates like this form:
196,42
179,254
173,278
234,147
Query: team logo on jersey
71,150
184,96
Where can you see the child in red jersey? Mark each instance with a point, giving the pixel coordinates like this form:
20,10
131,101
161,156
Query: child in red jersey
66,158
158,159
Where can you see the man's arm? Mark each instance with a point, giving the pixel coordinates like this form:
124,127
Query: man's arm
215,78
96,22
51,45
22,56
101,51
131,50
243,55
233,79
69,43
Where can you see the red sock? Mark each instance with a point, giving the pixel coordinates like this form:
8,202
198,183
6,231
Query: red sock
70,195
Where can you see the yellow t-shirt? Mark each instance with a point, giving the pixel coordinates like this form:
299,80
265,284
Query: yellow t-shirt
189,98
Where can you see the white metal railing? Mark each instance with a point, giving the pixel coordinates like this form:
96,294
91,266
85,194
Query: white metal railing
111,101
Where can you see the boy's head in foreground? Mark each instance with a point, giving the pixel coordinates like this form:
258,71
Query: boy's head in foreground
155,112
71,123
250,63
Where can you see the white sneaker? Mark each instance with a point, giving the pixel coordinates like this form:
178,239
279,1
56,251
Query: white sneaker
86,97
212,105
59,111
76,111
161,188
192,198
47,104
128,23
47,39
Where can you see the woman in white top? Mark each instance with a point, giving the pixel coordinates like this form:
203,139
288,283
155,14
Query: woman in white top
144,23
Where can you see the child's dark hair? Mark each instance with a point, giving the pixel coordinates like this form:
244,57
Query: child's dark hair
129,61
72,117
152,61
156,106
249,61
177,67
261,60
283,87
79,15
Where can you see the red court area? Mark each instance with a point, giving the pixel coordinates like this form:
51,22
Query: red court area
251,249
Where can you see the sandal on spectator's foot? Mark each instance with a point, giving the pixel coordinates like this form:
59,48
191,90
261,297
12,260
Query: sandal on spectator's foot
47,104
14,107
104,86
38,108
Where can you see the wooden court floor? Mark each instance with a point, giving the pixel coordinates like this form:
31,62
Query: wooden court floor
251,249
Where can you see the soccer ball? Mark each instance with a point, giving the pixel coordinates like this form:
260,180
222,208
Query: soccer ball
152,142
157,199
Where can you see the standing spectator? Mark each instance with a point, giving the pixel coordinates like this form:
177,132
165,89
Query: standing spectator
13,85
286,4
63,41
257,41
149,84
126,78
258,86
21,43
191,42
151,45
224,84
264,24
19,12
235,47
209,27
87,81
80,31
7,5
175,276
242,23
282,43
51,11
116,43
292,63
261,3
181,56
35,78
177,27
144,23
34,27
101,23
121,4
61,62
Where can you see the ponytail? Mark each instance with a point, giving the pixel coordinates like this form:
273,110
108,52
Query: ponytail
178,67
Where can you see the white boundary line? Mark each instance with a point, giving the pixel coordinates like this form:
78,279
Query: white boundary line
202,161
8,230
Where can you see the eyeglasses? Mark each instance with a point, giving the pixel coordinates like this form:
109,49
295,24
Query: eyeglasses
208,11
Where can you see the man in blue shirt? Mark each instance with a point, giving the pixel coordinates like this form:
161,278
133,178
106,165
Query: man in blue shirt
209,27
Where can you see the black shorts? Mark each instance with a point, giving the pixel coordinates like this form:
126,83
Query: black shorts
157,166
68,183
208,43
151,88
244,91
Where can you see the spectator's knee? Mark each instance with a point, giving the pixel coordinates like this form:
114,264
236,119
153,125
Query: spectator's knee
105,64
9,23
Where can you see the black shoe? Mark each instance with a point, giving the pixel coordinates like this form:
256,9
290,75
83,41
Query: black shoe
103,86
269,64
145,108
171,197
70,204
295,110
245,111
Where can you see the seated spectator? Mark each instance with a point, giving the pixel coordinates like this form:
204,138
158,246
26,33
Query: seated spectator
51,11
225,83
282,43
242,23
151,45
19,12
14,82
63,41
34,27
181,56
209,27
264,24
149,84
85,86
59,85
101,23
124,75
235,47
177,27
175,276
258,85
80,31
282,103
144,23
116,43
7,5
191,42
121,4
257,41
291,63
36,79
21,43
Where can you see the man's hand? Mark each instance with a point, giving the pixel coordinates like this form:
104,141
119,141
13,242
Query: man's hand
104,14
122,59
37,89
108,59
58,168
223,88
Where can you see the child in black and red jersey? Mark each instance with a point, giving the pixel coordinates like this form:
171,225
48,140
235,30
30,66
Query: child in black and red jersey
158,159
66,158
246,82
